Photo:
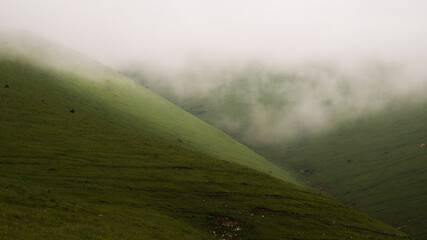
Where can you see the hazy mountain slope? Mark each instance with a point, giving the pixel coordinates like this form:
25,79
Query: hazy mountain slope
98,91
387,172
65,175
375,162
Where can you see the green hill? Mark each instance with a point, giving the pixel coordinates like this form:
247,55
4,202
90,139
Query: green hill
385,173
110,171
98,91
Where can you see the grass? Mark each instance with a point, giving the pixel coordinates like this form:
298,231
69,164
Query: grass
109,172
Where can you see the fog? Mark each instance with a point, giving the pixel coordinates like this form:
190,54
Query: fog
265,104
171,32
373,49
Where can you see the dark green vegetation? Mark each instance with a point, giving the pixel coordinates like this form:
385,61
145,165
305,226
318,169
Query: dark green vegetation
372,162
88,175
375,162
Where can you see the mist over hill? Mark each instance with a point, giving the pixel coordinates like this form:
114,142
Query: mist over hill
276,75
352,130
268,103
88,153
331,59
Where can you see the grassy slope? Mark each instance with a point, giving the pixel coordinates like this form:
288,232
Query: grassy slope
389,186
387,174
387,167
103,93
85,175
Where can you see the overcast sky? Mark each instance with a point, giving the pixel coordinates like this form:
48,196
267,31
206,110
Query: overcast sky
171,31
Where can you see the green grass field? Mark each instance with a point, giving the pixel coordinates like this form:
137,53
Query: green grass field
115,169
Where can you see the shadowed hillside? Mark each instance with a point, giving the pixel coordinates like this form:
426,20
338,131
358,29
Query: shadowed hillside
375,162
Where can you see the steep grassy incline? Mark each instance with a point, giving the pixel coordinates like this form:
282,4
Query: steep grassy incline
97,91
375,163
386,174
86,176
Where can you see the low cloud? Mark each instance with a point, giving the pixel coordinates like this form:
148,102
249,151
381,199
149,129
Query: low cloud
270,103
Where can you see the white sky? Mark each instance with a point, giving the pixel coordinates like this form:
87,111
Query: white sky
168,32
